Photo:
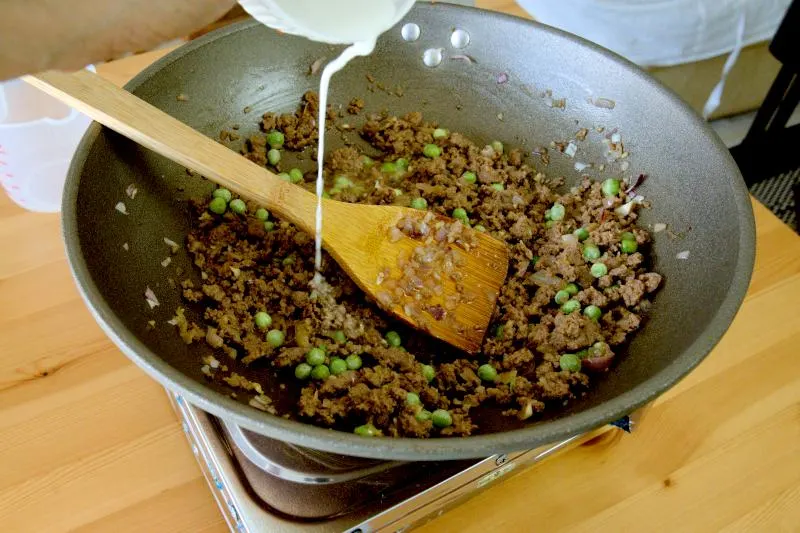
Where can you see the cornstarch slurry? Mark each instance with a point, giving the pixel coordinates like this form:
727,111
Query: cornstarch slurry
358,49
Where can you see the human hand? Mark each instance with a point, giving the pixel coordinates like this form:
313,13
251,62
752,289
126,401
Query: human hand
37,35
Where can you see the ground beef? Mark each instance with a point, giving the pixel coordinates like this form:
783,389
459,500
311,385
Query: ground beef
247,267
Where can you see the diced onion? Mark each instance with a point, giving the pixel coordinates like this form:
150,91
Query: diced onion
131,191
625,209
603,103
173,246
569,239
150,296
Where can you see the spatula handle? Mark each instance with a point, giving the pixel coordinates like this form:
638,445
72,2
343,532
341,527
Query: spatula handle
147,125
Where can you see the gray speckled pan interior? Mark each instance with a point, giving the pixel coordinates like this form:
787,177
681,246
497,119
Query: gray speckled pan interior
693,184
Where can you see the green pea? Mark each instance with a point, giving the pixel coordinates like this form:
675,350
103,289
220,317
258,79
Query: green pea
238,206
610,187
627,235
302,371
402,164
218,206
591,252
557,212
262,214
338,366
343,182
393,338
480,228
572,289
419,203
321,372
581,233
339,336
440,133
428,373
274,156
423,415
296,175
498,186
431,151
441,418
570,362
315,356
469,177
593,312
570,307
285,176
225,194
599,270
629,246
263,320
498,332
487,373
367,161
353,362
269,225
275,139
389,167
367,430
288,260
562,297
459,213
497,146
275,338
412,398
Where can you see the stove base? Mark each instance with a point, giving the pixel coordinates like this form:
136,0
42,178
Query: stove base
242,489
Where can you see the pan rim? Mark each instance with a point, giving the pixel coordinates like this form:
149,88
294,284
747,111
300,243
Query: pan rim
477,446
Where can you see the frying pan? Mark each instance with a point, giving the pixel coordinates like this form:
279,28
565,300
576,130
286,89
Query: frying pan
506,84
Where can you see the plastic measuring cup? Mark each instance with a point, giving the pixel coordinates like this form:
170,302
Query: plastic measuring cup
340,22
38,137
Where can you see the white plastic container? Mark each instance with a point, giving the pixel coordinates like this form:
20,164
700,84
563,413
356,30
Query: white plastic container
340,22
663,33
38,137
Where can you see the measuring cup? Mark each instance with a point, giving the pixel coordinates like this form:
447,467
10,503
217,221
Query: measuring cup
341,22
38,137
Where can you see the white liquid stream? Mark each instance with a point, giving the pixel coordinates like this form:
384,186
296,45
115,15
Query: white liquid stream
360,22
358,49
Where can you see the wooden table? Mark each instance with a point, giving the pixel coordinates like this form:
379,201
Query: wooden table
89,443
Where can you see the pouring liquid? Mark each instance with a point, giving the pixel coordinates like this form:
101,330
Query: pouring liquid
355,22
362,48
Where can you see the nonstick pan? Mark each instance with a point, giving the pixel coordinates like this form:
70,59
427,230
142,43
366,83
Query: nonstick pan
518,81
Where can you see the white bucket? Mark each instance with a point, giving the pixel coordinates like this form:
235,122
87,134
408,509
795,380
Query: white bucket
38,137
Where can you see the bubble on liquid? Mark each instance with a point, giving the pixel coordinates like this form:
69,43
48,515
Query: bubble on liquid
459,38
432,57
410,32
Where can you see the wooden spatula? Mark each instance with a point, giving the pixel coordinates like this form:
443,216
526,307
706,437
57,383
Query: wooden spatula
444,285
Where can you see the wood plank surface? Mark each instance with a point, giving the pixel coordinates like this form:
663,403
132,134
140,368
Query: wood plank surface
89,443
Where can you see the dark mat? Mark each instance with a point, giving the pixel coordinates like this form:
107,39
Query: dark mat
778,194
